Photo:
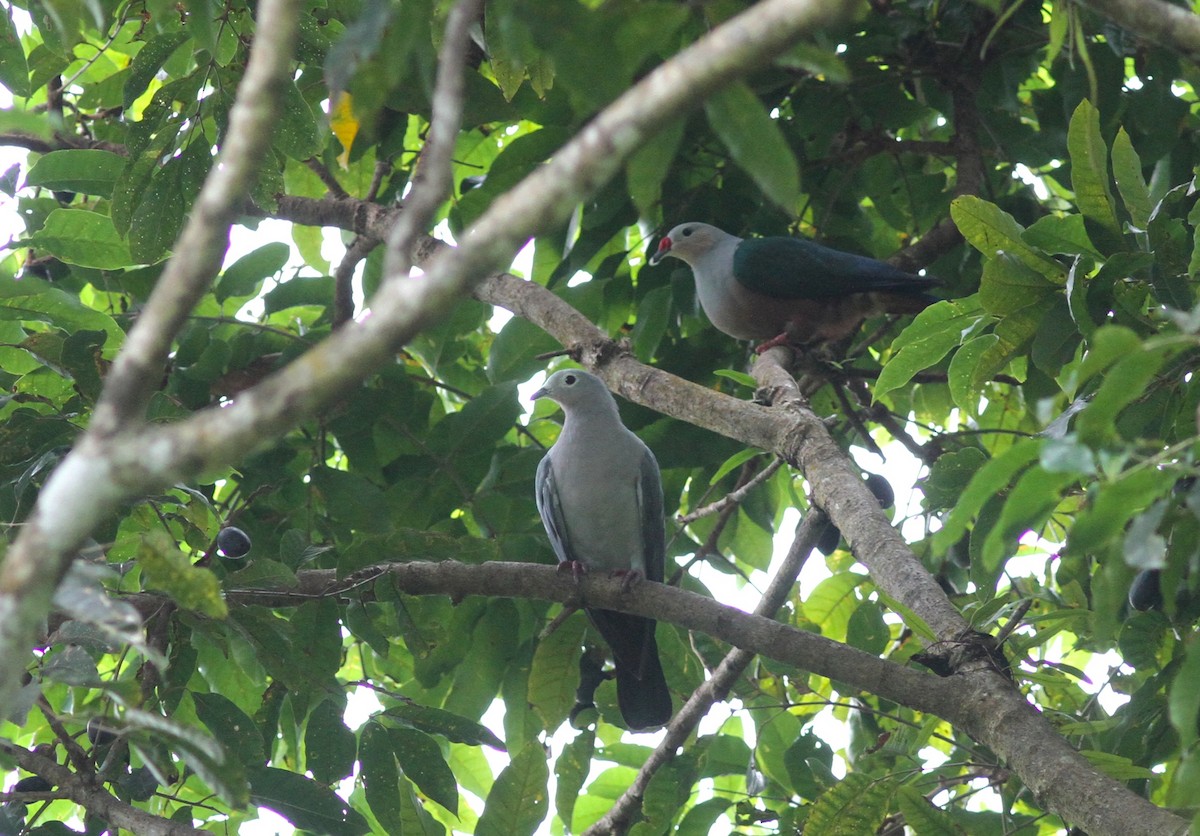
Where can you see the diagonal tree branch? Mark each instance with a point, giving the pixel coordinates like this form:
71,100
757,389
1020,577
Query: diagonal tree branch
1164,23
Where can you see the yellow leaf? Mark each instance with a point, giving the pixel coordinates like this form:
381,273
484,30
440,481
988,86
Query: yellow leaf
344,125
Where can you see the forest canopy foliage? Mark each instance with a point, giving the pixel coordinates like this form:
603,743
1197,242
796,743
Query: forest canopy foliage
233,496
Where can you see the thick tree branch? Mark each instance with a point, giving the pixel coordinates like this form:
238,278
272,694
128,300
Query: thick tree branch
95,799
1163,23
984,704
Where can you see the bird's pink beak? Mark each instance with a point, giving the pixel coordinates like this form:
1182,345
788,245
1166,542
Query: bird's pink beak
664,247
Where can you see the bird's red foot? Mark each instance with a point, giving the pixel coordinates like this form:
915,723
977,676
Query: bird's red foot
629,577
575,567
782,339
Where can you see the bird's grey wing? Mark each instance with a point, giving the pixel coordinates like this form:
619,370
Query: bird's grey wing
650,503
550,508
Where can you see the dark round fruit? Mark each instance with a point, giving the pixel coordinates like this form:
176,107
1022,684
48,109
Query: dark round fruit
98,734
1145,593
881,489
233,542
32,783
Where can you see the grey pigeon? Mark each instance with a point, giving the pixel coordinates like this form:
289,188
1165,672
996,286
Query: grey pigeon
785,289
600,496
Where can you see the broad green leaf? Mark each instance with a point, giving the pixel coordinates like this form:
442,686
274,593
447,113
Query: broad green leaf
513,354
988,481
232,726
935,331
961,377
14,69
449,725
1116,766
199,752
1089,172
867,630
854,806
305,803
653,318
78,236
571,771
148,62
83,170
1124,382
756,143
832,603
555,672
1060,234
923,817
1127,170
648,168
992,231
518,801
30,298
380,775
296,135
1108,344
329,747
1035,494
244,276
1113,505
160,214
422,762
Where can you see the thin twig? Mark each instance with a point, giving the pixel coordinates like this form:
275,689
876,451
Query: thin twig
318,168
343,278
733,497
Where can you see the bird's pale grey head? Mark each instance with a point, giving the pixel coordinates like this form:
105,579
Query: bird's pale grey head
688,242
572,387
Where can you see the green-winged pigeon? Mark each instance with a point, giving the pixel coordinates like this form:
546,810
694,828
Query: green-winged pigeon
783,289
600,496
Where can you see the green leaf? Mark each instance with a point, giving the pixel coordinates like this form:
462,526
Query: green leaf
422,763
571,771
518,801
148,62
992,231
1123,383
922,816
296,135
230,724
513,355
653,317
161,212
305,803
84,170
988,481
935,331
166,568
380,776
1118,767
1127,169
733,462
832,603
1026,507
867,630
756,143
1114,505
207,758
329,747
649,166
78,236
1061,234
1089,173
555,672
244,276
449,725
14,69
961,376
854,806
31,298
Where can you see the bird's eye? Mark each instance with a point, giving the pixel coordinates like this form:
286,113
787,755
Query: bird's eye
570,379
687,231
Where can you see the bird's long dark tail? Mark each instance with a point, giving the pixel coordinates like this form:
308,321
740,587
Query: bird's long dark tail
642,693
